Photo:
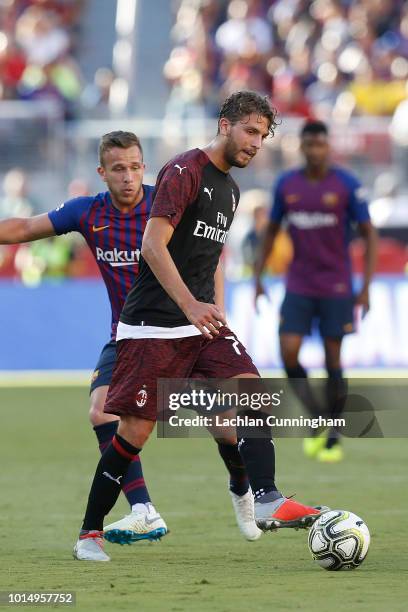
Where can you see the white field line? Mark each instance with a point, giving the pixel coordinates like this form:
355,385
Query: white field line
82,378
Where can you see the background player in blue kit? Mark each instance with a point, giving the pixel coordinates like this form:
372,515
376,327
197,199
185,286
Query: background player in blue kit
112,224
320,203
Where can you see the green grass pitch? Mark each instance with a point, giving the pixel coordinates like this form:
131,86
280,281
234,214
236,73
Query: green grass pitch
48,455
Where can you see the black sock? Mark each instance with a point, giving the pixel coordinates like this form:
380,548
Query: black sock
106,484
300,384
239,483
336,391
133,482
258,455
104,434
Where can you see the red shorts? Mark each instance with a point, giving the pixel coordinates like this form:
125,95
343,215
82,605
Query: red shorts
139,363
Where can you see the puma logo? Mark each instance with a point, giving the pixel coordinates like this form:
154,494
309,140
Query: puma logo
117,480
180,168
209,191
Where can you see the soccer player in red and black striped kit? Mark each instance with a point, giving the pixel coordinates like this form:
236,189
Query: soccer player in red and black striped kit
113,223
171,327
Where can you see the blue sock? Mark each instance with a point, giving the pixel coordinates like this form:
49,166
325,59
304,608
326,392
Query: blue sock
133,483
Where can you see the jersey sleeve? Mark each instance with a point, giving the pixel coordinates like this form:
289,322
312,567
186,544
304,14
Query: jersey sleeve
65,218
177,186
278,203
357,203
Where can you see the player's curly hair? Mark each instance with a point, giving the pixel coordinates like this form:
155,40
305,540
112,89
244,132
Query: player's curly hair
119,139
240,104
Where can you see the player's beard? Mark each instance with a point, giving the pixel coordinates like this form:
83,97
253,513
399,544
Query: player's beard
126,200
231,152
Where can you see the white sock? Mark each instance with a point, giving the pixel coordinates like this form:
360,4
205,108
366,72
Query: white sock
140,508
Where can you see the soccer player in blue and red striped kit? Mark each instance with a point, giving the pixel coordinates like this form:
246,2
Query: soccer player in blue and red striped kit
320,203
112,224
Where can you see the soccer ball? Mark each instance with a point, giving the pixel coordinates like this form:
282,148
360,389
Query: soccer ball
339,540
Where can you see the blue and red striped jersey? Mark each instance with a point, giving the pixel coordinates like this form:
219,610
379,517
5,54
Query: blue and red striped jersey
320,215
114,237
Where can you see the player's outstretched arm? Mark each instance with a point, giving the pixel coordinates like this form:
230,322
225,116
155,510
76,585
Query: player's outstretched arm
206,317
16,229
369,235
263,254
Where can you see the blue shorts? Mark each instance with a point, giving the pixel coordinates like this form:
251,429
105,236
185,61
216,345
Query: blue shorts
104,368
334,316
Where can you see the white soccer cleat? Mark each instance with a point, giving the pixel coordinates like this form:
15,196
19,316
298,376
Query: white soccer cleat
90,548
244,513
140,524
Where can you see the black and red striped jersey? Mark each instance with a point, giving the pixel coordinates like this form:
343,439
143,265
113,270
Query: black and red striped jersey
200,201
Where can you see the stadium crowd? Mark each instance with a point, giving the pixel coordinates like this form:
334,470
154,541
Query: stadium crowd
328,59
321,58
37,51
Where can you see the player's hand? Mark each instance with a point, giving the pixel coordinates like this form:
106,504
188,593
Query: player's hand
363,299
208,318
259,290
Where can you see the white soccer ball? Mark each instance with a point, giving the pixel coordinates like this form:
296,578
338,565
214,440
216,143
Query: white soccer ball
339,540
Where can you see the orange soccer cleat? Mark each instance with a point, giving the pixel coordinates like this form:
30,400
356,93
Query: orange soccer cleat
274,511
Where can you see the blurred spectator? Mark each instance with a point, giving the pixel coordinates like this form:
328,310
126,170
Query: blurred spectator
242,243
12,65
36,42
252,239
376,96
289,98
14,201
44,259
246,31
78,188
40,35
282,252
95,96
